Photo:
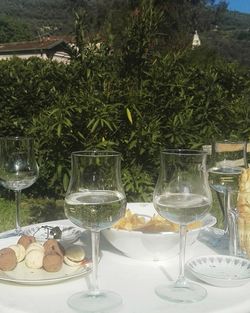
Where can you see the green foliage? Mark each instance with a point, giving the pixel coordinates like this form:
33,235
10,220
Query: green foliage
38,210
13,30
42,210
40,17
231,37
244,35
7,214
140,37
223,30
134,99
89,105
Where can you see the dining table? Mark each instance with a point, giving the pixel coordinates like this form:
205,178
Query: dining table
134,279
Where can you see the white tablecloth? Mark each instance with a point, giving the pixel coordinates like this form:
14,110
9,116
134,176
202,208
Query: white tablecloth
134,280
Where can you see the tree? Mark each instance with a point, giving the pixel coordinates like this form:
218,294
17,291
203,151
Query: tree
140,37
12,30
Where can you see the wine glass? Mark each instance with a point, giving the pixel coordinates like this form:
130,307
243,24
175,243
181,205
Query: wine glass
18,168
228,160
182,195
95,200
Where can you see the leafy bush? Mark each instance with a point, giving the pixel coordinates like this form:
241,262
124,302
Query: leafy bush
164,100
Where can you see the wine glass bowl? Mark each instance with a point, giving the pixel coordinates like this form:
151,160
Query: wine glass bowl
18,168
95,200
182,195
228,160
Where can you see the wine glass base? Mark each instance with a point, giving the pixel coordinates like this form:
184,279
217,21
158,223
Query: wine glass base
87,303
189,293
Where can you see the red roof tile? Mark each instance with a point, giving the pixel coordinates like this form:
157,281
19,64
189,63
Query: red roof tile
43,44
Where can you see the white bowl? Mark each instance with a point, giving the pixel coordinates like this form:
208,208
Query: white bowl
152,246
220,270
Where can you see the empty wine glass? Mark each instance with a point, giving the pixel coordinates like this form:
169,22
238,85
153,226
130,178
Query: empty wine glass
182,195
18,168
95,200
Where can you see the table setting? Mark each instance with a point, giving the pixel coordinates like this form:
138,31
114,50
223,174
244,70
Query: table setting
134,279
112,256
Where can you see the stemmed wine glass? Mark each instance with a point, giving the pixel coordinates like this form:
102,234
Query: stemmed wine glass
95,200
18,168
182,195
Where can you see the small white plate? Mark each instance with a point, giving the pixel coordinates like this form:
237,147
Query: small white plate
220,270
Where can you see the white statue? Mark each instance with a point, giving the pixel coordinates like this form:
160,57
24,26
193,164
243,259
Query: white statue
196,40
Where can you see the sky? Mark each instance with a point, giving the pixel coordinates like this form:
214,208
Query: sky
239,5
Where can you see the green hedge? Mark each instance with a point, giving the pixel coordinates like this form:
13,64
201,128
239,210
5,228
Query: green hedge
131,98
176,101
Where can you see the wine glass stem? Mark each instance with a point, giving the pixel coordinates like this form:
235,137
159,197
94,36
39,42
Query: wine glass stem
232,226
18,200
181,281
95,239
221,199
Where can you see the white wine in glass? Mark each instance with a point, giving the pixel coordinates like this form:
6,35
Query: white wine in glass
182,195
95,200
18,168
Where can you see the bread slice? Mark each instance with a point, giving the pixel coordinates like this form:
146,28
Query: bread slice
243,207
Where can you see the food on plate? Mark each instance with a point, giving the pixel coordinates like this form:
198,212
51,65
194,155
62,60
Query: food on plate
8,260
35,246
34,259
243,201
156,223
243,207
53,255
52,261
244,180
51,245
34,255
19,251
26,240
74,255
50,255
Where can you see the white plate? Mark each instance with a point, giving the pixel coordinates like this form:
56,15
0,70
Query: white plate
42,232
220,270
24,275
